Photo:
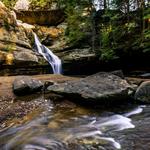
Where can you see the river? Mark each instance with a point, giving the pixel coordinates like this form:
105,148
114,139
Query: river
67,126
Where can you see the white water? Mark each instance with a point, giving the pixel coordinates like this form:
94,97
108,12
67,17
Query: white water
115,122
86,130
100,126
114,143
22,5
135,111
48,55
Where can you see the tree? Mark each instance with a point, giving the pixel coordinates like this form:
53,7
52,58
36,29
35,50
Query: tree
9,3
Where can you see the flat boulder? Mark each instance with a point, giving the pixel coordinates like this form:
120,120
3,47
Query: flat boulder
25,85
25,56
143,92
98,88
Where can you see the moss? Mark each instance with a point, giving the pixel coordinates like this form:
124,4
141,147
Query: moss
6,25
9,3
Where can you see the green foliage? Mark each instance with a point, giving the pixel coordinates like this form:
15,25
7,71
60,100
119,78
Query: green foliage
123,32
120,31
41,4
146,41
78,23
118,27
6,25
108,54
9,3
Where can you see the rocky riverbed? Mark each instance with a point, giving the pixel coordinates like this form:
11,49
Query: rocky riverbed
13,106
73,88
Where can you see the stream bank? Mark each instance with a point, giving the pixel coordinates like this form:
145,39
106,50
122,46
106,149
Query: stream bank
13,106
16,107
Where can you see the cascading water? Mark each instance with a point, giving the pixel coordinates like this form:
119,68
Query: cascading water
22,5
48,55
62,128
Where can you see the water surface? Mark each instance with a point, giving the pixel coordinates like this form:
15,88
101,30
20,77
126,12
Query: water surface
66,126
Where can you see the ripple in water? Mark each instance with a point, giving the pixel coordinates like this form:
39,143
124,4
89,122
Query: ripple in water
59,131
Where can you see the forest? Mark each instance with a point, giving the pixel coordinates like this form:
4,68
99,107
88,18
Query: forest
118,28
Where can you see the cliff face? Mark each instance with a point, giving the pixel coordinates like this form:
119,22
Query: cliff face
47,17
15,50
16,41
12,36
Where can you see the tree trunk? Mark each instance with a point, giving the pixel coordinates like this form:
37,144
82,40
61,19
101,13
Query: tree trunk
143,21
128,10
105,4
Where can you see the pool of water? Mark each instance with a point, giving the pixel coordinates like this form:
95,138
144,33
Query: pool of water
66,126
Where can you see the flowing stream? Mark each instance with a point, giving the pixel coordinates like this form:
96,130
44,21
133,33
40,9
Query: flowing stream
72,127
48,55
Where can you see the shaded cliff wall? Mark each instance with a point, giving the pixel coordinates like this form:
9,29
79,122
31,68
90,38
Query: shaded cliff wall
50,18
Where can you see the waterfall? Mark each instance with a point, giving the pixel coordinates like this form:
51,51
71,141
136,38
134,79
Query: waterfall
22,5
48,55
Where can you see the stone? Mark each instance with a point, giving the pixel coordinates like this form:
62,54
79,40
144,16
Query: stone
98,88
45,17
25,85
143,92
6,17
79,61
1,4
25,56
16,53
49,34
2,57
145,75
118,73
48,83
12,36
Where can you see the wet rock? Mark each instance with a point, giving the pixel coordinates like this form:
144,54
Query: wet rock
98,88
118,73
143,92
145,75
25,85
78,54
2,57
47,84
47,41
79,61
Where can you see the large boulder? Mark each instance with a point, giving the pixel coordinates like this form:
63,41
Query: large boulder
98,88
25,85
79,61
25,56
143,92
